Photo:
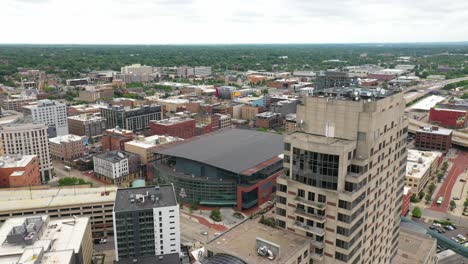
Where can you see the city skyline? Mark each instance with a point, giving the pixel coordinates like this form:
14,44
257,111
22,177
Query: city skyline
206,22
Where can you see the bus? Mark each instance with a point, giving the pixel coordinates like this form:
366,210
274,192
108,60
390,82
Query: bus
439,201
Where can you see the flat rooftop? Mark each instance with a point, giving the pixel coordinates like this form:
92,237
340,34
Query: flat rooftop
19,200
411,245
436,130
235,150
65,139
152,141
86,117
172,121
419,162
306,137
15,161
114,155
58,235
173,258
128,199
427,103
240,241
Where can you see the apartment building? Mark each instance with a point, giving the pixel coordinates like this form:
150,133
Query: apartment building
249,112
224,121
95,203
201,71
421,166
135,119
94,93
52,113
16,104
88,125
117,167
38,239
28,139
66,148
137,69
174,127
433,138
114,139
268,120
344,175
146,222
19,171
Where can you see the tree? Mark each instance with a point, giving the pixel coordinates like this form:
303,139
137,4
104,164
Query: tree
427,198
432,187
465,204
181,205
444,166
414,198
417,213
452,204
216,215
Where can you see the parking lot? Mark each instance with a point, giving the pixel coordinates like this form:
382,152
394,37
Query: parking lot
447,233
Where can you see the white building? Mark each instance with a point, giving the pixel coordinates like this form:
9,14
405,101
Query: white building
202,71
52,113
116,166
224,121
28,139
156,211
137,69
421,166
37,239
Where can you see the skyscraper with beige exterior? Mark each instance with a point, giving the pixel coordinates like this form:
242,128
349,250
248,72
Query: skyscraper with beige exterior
344,175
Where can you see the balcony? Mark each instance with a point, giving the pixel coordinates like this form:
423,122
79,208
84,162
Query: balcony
314,230
316,244
316,217
317,257
311,203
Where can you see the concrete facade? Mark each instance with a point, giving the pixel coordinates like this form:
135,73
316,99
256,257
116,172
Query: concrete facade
345,169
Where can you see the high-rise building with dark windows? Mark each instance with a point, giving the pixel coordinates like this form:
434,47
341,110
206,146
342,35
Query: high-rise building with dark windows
146,223
344,175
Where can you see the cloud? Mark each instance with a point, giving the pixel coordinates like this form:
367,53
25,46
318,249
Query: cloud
235,21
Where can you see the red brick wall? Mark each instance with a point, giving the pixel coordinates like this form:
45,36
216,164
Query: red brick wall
447,118
185,129
30,177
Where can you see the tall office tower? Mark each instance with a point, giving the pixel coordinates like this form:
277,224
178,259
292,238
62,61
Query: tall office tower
52,113
146,223
344,175
28,139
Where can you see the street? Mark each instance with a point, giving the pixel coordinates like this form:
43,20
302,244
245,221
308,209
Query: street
61,172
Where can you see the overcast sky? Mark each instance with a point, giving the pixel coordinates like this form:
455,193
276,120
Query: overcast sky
233,21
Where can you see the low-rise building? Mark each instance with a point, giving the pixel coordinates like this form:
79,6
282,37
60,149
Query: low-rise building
268,120
172,104
284,107
421,166
415,246
117,167
38,239
406,200
16,104
96,203
115,138
94,93
66,148
175,127
249,112
88,125
253,243
19,171
224,121
450,116
433,138
145,146
85,109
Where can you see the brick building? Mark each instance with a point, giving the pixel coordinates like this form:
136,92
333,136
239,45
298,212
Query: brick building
249,112
66,148
19,171
290,123
176,127
450,116
407,192
268,120
114,139
433,138
87,125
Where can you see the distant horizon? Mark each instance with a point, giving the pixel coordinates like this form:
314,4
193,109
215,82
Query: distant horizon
236,44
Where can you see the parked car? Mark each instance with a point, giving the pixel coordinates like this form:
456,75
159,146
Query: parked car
455,198
204,233
462,180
